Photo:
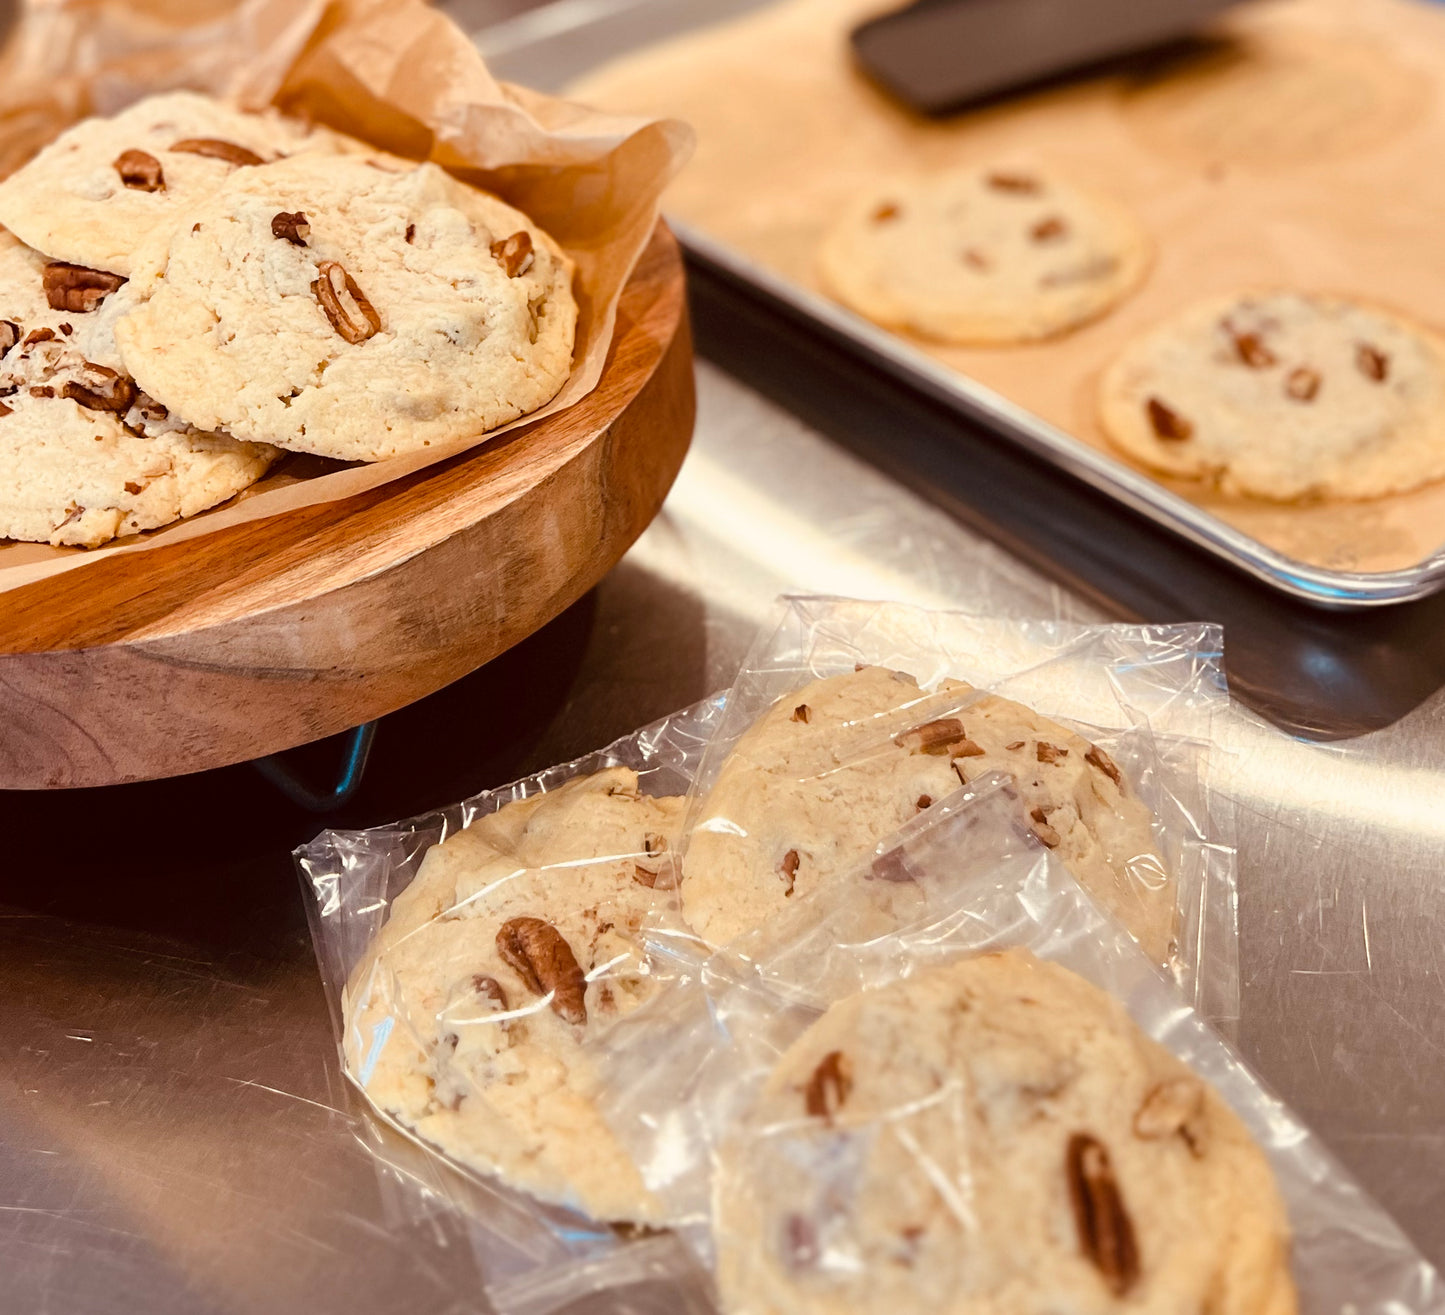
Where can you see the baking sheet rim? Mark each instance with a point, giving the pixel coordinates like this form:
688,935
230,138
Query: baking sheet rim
1134,489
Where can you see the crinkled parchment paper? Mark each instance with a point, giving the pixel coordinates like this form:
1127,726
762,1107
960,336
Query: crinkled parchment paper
392,72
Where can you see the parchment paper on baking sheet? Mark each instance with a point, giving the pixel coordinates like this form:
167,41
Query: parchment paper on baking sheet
1292,154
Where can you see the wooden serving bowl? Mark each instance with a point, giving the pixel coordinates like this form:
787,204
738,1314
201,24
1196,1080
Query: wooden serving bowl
272,634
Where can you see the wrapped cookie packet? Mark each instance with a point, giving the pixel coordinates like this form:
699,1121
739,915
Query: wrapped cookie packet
849,717
472,957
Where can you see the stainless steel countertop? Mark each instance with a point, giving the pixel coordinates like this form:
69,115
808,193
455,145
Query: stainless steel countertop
173,1129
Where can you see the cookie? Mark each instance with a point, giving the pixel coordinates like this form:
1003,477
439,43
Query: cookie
993,1137
983,256
402,310
518,940
84,456
95,193
833,768
1283,395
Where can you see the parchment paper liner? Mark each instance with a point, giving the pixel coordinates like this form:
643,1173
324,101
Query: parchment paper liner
1298,153
394,73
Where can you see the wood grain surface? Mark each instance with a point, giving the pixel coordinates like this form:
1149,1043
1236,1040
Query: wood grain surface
272,634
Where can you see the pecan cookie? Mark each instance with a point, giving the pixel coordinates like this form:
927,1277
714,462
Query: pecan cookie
835,767
993,1137
1284,396
336,306
518,940
84,455
983,256
93,195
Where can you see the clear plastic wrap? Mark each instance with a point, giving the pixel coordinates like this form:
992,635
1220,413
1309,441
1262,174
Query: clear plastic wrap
1147,696
363,921
684,1079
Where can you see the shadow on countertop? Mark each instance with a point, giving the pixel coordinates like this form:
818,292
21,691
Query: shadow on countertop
205,859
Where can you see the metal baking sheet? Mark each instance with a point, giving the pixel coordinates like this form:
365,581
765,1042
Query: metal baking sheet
552,46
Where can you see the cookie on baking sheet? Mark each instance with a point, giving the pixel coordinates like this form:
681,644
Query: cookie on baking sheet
330,305
93,195
838,765
518,939
1283,395
84,456
983,256
993,1136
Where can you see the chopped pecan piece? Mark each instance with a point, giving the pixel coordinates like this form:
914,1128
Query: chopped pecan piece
149,408
1174,1107
932,737
829,1086
1050,753
351,315
1016,183
42,390
975,259
803,713
1372,362
141,171
888,210
1251,349
1302,384
39,335
291,226
514,253
216,149
75,287
966,748
545,962
924,801
491,990
410,234
5,410
9,335
100,389
132,487
891,865
1106,1235
1097,758
1049,229
659,875
800,1243
654,842
1167,423
1046,833
789,869
1017,744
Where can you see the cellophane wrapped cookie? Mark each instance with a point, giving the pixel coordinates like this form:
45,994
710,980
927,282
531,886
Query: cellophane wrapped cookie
1000,1105
849,718
473,956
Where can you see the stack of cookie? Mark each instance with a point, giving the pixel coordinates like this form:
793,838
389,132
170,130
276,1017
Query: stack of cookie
1280,395
188,289
1011,1141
